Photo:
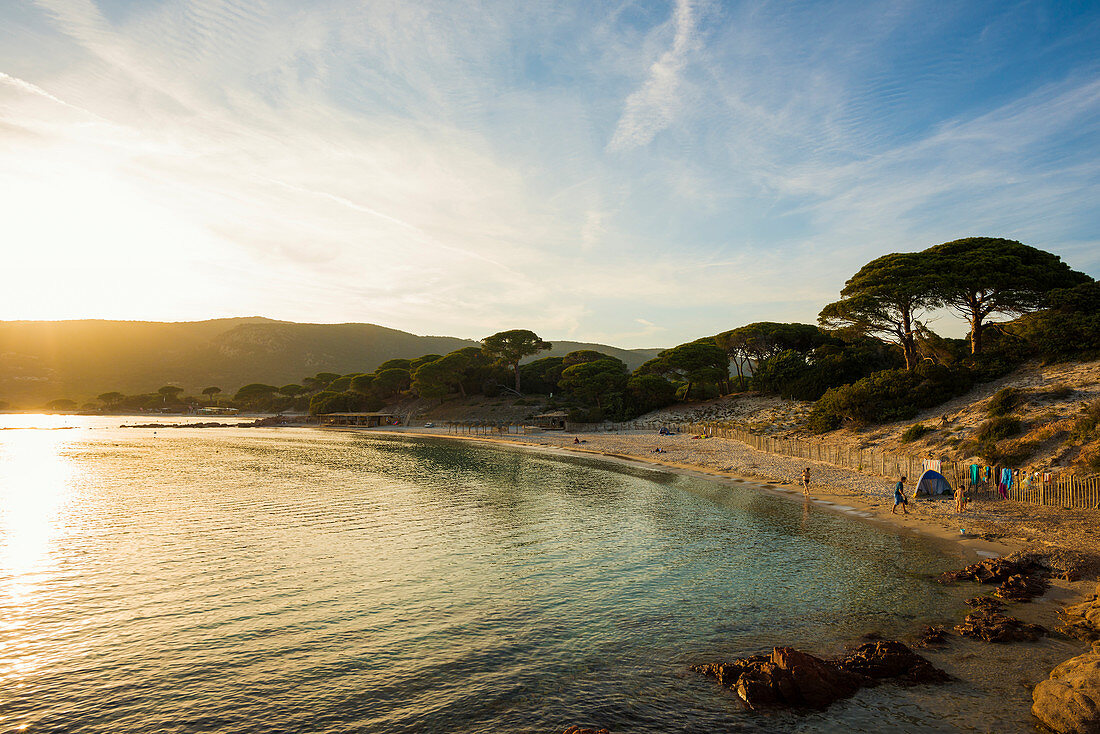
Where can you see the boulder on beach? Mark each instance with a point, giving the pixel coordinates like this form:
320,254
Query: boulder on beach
790,678
1069,701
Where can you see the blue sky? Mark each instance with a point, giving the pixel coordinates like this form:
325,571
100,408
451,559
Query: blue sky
636,173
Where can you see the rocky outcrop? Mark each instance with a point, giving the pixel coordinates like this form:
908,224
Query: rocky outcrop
796,679
994,626
1069,701
1021,588
578,730
990,571
931,636
889,659
1083,620
1020,578
986,604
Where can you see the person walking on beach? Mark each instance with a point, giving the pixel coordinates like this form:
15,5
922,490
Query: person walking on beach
805,479
899,497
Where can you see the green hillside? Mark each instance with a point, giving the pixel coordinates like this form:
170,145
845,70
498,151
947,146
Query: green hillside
44,360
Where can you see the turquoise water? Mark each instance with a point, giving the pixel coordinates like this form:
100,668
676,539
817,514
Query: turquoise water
294,580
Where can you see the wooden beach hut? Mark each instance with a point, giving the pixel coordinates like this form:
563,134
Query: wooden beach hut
552,421
360,420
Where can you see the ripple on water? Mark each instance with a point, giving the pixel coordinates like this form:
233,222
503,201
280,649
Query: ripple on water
295,580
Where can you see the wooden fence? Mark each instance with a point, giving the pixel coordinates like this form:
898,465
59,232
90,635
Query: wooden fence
1059,490
1045,488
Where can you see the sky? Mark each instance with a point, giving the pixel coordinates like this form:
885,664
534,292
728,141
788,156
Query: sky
632,173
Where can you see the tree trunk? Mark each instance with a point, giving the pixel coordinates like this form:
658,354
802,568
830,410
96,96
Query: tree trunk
974,301
516,368
908,348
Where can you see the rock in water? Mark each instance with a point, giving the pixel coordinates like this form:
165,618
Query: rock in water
986,604
1021,588
792,678
578,730
816,682
1069,701
931,635
993,626
995,570
889,659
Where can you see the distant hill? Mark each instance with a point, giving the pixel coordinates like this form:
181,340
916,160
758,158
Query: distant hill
45,360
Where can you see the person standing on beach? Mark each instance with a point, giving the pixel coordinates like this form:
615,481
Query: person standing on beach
899,497
960,500
805,479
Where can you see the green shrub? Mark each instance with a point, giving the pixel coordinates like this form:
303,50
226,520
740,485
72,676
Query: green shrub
914,432
1069,329
1006,453
1017,453
330,401
1085,426
581,415
995,429
1090,457
889,395
1004,401
1059,392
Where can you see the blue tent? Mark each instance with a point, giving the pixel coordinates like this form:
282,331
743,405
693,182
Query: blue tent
933,483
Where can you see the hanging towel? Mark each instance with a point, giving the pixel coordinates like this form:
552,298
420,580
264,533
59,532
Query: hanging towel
975,474
1006,478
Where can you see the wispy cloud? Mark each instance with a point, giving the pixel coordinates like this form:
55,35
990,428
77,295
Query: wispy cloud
653,106
636,171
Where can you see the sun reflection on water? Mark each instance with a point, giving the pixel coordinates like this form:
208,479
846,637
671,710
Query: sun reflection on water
35,476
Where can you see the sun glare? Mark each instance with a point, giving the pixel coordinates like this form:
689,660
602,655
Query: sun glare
35,478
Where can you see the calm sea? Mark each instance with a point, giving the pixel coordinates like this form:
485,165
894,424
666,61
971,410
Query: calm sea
296,580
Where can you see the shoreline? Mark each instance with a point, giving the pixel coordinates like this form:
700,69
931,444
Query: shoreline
969,546
1009,672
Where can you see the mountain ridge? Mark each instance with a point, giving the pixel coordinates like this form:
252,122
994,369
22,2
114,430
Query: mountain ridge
79,359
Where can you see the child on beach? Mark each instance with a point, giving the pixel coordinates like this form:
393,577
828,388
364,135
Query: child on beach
805,479
960,500
899,497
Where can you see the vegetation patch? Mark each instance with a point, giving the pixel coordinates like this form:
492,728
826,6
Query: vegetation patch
1084,428
1059,392
1004,401
1090,457
996,429
889,395
915,432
